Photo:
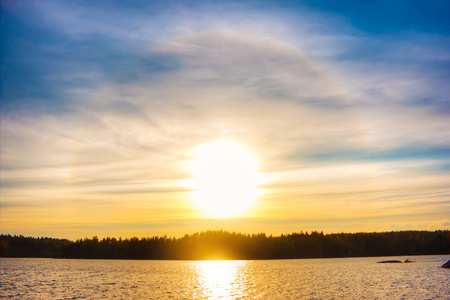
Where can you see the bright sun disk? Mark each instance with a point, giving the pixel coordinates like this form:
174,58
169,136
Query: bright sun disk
224,179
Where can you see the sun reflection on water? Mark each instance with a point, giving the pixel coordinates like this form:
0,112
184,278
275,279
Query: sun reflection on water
222,279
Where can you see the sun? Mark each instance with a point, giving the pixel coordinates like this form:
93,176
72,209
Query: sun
224,179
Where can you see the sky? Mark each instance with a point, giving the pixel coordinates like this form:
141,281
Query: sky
344,106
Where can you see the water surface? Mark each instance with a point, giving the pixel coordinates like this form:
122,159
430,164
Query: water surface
337,278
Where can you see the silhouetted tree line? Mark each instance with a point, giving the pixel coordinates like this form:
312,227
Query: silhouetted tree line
226,245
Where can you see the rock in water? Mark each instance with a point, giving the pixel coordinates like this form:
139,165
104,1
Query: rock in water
389,261
446,265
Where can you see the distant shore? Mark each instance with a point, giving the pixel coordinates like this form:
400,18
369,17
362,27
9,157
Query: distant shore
221,244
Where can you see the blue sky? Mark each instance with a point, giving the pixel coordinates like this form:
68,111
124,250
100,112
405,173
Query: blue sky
344,104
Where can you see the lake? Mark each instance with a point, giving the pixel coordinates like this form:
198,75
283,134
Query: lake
336,278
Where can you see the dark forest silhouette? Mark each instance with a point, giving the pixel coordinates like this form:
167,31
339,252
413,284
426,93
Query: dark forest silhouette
227,245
